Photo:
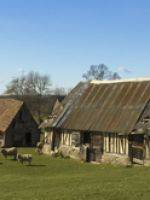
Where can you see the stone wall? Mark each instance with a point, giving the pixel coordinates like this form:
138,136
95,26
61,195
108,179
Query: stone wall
46,149
70,152
48,137
115,159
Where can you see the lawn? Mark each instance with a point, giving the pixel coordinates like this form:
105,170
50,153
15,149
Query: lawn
65,179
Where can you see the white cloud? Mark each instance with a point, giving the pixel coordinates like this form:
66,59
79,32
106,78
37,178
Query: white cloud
124,70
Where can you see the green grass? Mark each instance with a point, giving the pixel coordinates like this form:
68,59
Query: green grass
51,179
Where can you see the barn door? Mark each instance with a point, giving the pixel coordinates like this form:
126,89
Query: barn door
96,147
136,149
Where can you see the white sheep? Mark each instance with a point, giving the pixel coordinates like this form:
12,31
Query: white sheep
24,158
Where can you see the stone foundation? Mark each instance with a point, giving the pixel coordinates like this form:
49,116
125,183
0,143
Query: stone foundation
78,153
146,162
46,149
115,159
71,152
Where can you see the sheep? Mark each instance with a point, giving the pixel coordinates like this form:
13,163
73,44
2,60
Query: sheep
24,158
9,152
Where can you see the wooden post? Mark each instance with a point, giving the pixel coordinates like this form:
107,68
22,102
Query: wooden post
121,149
104,148
115,149
127,146
107,143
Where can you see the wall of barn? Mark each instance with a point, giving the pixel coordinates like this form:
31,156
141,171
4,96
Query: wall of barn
23,130
2,140
147,148
48,136
106,147
115,146
63,138
116,149
115,143
69,144
139,150
48,139
70,138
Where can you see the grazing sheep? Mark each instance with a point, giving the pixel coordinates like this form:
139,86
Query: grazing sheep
39,147
9,152
24,158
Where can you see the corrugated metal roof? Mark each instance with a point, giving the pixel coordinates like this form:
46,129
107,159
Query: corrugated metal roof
113,107
69,103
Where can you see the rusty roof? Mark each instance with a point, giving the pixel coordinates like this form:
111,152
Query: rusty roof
8,110
69,103
108,107
62,109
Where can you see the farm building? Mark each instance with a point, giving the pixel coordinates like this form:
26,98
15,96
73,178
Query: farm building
17,126
56,106
38,108
49,103
105,121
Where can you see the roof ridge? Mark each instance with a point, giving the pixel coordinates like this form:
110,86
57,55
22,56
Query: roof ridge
120,80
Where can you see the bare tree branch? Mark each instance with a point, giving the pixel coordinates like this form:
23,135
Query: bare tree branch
31,84
100,72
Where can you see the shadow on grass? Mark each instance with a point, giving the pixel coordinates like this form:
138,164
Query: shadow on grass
35,165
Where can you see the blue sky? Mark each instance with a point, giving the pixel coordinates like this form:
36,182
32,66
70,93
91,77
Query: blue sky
63,38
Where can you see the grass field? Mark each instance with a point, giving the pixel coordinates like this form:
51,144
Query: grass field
51,179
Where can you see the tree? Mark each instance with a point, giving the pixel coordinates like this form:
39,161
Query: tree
29,85
37,84
60,91
100,72
17,86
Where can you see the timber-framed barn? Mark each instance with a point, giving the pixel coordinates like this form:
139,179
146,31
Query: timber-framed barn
17,125
105,121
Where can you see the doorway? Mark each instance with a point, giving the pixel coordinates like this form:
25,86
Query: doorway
86,141
28,139
97,145
136,148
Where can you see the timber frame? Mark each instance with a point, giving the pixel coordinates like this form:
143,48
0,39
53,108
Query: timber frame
108,121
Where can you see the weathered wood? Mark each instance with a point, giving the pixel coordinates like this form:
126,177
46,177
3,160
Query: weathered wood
107,143
127,146
115,146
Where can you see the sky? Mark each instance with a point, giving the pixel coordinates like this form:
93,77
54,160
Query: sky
62,38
